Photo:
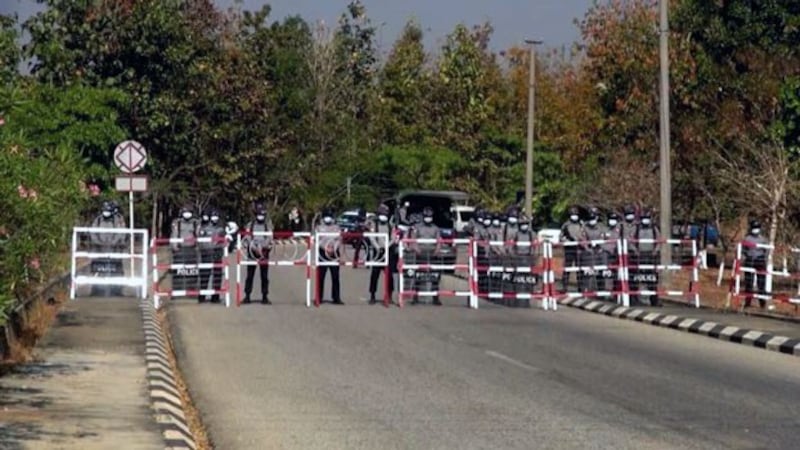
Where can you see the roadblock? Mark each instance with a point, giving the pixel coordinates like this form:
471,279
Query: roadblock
598,266
645,276
351,250
421,263
195,267
273,249
108,259
755,275
512,273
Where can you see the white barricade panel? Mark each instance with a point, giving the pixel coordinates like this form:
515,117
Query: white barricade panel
273,249
649,280
512,273
352,250
190,267
422,262
755,275
108,261
595,266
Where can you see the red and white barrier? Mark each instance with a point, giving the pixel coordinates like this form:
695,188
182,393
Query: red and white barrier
283,249
650,271
405,267
160,266
781,286
518,265
597,265
126,251
353,250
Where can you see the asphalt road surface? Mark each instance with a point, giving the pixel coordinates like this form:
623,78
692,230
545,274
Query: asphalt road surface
362,376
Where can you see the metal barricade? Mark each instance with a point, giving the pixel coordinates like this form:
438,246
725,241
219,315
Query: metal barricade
273,249
354,250
512,272
421,263
108,250
191,274
598,269
645,275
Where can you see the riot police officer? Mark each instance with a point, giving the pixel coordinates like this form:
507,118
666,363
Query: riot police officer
185,252
425,252
379,244
629,226
755,258
258,246
328,247
108,243
613,235
591,254
644,250
570,234
211,252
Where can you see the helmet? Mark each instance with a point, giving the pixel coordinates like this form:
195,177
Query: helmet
755,224
512,212
107,206
427,212
594,212
383,210
613,216
629,209
573,211
259,208
647,213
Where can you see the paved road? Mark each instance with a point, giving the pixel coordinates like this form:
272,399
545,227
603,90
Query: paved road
360,376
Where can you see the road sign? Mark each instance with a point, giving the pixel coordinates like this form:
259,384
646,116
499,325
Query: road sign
130,156
131,183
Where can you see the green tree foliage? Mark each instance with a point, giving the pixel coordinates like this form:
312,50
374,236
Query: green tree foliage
10,52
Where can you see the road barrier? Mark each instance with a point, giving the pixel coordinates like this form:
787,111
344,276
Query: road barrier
273,249
421,263
107,251
352,250
512,272
598,268
192,270
755,277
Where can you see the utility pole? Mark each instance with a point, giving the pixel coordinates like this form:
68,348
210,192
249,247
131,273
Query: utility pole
349,183
665,165
531,106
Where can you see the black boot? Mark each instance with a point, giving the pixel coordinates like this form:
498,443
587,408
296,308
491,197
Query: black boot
372,300
246,299
265,301
436,301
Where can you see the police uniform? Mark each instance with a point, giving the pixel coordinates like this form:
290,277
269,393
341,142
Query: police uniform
592,254
571,232
378,245
185,252
327,247
258,246
424,254
755,258
211,252
109,242
645,253
613,233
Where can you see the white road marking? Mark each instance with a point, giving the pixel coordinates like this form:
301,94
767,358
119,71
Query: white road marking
512,361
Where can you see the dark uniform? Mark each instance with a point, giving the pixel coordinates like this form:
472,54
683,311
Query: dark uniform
108,243
496,252
211,252
613,233
258,248
591,254
185,252
645,253
571,232
755,258
424,254
327,246
378,245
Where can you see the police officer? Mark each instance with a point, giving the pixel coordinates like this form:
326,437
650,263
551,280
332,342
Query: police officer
185,252
328,251
525,256
755,257
571,232
592,254
510,249
109,242
295,220
425,252
645,251
496,251
258,246
629,226
614,234
378,245
211,252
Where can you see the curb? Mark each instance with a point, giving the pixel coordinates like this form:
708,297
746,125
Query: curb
752,338
164,395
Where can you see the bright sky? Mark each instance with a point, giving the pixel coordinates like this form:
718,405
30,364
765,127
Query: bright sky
513,20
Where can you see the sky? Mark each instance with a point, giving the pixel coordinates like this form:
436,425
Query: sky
514,20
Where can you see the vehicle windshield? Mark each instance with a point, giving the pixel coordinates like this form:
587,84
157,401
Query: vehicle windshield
466,216
347,219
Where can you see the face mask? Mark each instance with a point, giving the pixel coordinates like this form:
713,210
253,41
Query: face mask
260,217
383,218
106,214
630,217
593,222
573,218
205,218
496,223
327,220
645,221
428,220
524,227
487,222
612,222
187,215
756,231
512,220
214,219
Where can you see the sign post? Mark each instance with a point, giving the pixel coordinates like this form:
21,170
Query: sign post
130,157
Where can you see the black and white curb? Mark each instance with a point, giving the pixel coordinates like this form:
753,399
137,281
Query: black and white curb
164,395
753,338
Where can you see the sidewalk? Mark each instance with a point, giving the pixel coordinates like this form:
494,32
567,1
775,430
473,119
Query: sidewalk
88,388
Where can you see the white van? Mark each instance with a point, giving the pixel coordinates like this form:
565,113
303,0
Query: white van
461,216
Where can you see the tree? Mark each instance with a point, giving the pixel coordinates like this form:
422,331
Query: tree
10,52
